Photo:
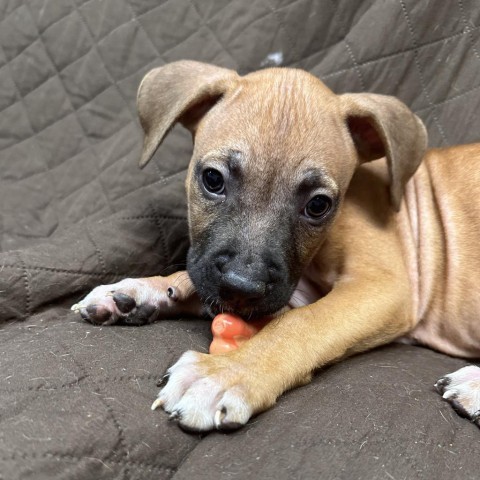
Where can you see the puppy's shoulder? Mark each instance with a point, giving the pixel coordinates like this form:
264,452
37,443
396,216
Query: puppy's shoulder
367,198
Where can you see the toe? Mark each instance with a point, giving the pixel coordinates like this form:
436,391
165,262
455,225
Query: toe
442,384
232,411
125,303
476,418
96,314
202,422
140,316
99,313
196,410
177,384
222,424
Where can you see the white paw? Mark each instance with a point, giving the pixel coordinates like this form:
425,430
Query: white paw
200,401
131,301
462,390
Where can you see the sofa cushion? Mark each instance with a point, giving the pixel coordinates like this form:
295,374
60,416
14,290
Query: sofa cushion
75,212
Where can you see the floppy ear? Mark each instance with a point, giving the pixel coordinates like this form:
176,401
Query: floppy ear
177,92
382,126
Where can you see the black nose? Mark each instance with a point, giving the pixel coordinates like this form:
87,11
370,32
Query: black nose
235,286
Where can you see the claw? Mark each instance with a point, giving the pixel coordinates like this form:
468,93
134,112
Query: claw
163,381
157,403
77,307
219,416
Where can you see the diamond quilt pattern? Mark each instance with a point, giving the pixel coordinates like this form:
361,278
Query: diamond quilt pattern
75,211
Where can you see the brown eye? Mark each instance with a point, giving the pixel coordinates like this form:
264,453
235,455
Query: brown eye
213,181
318,207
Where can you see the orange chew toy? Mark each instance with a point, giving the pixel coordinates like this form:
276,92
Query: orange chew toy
230,331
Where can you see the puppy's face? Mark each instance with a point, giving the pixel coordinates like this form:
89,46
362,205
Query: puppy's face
271,164
274,154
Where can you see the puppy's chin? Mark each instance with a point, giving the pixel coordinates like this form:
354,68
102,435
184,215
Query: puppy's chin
247,313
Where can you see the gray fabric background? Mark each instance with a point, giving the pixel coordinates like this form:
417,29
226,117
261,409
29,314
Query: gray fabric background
75,212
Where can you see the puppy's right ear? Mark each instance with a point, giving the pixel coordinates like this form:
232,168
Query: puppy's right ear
178,92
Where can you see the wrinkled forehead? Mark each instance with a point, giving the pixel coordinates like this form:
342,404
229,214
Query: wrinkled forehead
280,116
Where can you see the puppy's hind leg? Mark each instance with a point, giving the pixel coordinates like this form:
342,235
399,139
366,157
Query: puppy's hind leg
137,301
462,390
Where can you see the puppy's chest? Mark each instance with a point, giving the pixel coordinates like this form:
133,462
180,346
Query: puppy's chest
313,285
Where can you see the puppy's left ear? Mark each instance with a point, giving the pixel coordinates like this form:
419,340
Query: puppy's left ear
182,92
383,126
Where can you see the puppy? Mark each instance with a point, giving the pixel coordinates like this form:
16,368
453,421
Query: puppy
288,215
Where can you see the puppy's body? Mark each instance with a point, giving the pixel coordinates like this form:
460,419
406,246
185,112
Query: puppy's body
439,225
280,214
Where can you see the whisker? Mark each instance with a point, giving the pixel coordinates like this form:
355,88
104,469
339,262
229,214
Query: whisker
173,265
181,280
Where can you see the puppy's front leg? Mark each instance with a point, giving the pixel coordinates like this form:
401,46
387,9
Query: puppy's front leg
136,301
223,391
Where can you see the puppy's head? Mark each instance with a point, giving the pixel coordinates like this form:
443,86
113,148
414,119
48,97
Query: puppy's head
274,154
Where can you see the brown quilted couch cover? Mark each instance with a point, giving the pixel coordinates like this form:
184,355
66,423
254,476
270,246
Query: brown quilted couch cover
75,211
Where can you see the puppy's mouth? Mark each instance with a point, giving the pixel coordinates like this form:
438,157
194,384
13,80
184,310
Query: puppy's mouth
214,307
249,310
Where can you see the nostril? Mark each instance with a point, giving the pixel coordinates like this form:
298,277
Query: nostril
274,268
221,261
220,264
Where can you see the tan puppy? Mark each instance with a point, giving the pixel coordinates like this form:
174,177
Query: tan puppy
285,211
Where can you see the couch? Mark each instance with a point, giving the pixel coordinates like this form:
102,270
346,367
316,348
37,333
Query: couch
76,212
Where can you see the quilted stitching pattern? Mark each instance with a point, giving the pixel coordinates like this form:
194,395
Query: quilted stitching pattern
75,211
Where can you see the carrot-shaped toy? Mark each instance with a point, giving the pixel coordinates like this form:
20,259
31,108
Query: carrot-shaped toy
230,331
